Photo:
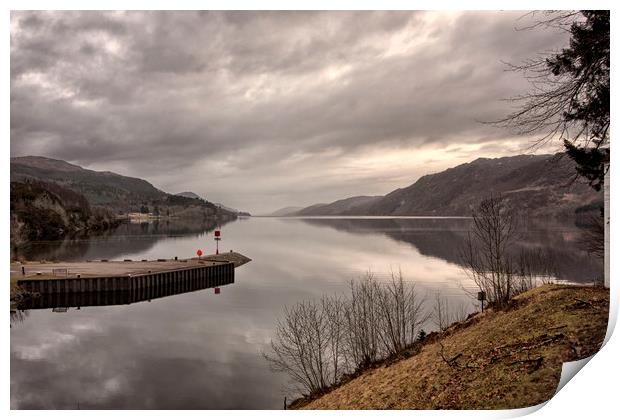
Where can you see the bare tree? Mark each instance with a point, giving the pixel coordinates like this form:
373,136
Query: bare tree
333,307
569,95
401,314
485,255
362,339
317,343
300,347
492,259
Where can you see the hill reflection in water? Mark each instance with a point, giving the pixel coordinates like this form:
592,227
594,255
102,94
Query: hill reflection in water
445,237
127,238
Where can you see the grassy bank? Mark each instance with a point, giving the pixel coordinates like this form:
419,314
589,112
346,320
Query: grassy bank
503,359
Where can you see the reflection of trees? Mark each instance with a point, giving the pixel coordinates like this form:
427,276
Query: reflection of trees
126,238
444,238
18,316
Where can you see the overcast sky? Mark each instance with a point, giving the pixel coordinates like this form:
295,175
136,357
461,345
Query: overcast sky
261,110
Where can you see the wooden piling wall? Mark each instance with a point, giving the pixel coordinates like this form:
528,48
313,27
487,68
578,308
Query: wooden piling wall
95,291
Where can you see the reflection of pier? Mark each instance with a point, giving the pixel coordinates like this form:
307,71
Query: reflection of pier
135,284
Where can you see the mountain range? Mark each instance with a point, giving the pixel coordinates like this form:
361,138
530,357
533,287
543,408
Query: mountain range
99,188
112,191
190,194
536,185
53,199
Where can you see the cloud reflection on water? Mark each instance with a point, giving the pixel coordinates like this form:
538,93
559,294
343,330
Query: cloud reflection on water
201,350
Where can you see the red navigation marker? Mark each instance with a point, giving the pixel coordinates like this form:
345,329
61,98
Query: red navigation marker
218,237
199,253
217,290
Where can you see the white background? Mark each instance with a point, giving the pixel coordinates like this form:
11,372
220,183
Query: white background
591,394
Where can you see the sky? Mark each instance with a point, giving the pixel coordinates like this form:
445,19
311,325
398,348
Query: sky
262,110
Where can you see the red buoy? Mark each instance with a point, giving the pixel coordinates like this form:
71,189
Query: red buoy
199,253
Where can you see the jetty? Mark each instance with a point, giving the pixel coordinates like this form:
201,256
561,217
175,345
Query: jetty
104,282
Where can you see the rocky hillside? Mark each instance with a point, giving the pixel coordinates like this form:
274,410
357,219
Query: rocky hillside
48,211
533,184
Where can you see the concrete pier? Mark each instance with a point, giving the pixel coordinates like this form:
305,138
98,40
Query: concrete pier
122,282
70,293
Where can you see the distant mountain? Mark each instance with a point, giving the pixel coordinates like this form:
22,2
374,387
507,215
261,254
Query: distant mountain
220,205
189,194
343,206
532,184
285,211
100,188
113,191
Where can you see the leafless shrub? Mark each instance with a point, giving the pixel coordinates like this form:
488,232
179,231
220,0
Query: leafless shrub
485,255
534,267
301,348
401,314
488,255
333,308
445,314
362,321
317,343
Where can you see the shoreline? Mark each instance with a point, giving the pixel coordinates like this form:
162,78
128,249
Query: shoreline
493,360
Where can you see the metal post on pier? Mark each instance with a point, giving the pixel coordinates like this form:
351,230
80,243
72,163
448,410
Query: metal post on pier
218,238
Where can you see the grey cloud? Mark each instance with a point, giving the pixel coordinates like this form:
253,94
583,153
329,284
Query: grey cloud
242,90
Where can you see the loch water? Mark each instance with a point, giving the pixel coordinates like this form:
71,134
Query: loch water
202,349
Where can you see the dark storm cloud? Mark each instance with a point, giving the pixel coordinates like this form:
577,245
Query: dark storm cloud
258,102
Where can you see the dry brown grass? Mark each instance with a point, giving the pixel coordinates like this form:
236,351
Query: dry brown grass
495,360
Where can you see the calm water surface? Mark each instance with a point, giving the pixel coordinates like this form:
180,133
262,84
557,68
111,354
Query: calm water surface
202,350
